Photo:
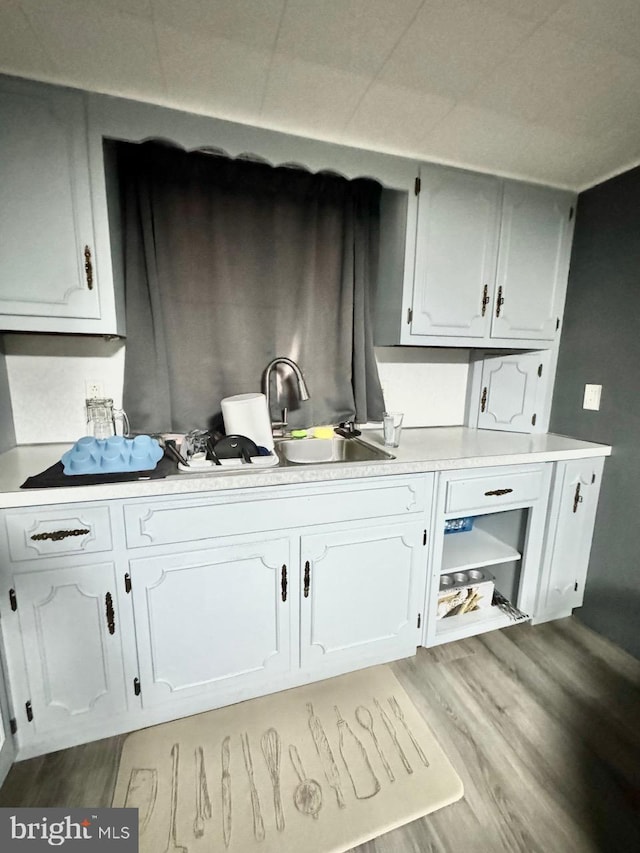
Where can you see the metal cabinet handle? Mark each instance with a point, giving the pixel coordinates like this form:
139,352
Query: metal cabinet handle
307,578
485,299
498,493
57,535
283,582
88,267
109,612
577,498
499,301
483,399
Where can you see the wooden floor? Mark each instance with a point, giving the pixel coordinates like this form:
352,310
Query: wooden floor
542,724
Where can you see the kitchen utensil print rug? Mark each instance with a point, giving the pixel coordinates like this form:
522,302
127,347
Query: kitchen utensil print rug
316,769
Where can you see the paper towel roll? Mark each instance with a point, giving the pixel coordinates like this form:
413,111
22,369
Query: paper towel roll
246,414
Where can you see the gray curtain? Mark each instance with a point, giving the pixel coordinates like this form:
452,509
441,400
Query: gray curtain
229,263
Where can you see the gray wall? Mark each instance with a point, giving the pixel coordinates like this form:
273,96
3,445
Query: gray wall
7,434
601,344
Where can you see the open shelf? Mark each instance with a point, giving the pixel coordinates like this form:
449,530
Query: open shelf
474,549
476,622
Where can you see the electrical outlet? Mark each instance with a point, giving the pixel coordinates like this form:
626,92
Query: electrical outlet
93,389
592,397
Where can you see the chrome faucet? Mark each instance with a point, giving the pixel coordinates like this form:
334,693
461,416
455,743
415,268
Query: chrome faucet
303,391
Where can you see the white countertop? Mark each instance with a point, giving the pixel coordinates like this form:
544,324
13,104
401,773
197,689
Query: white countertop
421,450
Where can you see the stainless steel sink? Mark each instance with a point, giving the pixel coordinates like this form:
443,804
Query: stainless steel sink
327,451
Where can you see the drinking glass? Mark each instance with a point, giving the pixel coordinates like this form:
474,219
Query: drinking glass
392,425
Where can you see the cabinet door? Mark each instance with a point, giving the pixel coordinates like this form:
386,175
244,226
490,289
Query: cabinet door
455,253
511,391
7,744
212,619
533,262
361,595
571,520
72,645
45,205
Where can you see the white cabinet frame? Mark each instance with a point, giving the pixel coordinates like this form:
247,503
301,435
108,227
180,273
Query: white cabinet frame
535,481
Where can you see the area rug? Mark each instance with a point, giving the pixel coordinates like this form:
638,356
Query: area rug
317,769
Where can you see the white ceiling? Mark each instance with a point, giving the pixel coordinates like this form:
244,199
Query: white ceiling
539,89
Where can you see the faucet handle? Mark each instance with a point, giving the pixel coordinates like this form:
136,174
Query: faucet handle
278,428
348,430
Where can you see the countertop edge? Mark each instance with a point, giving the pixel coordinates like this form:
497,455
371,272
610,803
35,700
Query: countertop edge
184,484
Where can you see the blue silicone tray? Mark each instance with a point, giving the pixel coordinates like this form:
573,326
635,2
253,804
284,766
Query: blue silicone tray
112,455
458,525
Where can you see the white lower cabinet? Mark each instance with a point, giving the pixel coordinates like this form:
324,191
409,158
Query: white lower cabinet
8,749
361,595
211,620
485,575
122,614
572,511
69,625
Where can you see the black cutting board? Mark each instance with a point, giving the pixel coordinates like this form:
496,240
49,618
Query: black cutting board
54,477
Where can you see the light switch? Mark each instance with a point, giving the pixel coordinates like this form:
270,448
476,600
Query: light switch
592,397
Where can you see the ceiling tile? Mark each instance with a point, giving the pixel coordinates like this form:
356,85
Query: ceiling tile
21,52
451,46
212,75
576,88
596,160
485,140
354,35
542,89
245,21
395,119
303,97
616,24
98,49
530,10
141,8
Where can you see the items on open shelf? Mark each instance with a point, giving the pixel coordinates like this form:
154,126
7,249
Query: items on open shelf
501,614
463,592
458,525
508,608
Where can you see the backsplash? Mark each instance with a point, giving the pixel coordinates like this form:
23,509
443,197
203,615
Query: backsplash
427,384
47,376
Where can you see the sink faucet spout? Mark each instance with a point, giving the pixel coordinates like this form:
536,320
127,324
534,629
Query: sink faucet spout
303,391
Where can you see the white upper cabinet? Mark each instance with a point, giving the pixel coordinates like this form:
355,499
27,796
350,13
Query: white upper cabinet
511,395
533,262
490,267
48,272
457,240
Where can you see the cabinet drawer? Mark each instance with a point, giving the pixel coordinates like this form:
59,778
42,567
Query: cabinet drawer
53,532
233,513
495,490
